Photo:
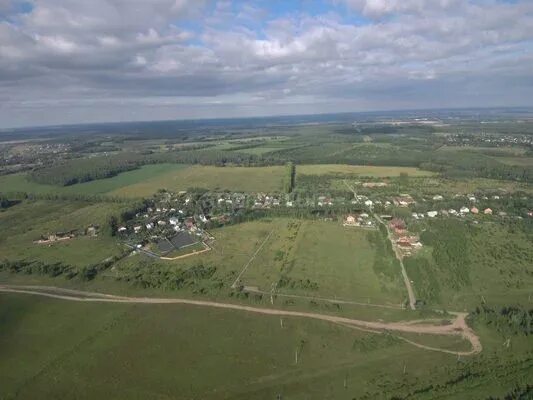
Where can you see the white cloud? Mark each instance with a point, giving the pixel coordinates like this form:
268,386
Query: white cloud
134,50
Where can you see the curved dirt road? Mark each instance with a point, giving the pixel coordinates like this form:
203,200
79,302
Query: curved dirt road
457,327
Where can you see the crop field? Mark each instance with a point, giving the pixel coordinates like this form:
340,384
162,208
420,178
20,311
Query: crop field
122,351
22,224
361,170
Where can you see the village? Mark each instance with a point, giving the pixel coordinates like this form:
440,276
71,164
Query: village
178,224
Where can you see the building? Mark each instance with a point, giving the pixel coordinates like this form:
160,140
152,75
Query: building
487,211
438,197
350,220
432,214
464,210
474,210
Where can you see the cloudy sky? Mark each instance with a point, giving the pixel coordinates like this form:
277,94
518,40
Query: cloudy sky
69,61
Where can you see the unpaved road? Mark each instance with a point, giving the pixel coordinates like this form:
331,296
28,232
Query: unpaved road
457,327
406,280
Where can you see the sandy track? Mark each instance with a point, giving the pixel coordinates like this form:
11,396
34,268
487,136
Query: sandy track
457,327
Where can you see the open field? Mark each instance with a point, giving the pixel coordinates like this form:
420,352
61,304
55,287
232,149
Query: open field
174,351
503,151
325,259
146,180
209,177
20,183
361,170
22,224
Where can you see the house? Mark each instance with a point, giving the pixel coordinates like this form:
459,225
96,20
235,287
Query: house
403,200
464,210
289,204
369,203
350,219
432,214
403,242
487,211
137,229
452,211
161,223
496,197
122,229
474,210
472,198
438,197
189,223
149,226
173,221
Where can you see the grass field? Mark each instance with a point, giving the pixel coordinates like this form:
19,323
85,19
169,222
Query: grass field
208,177
120,351
361,170
145,181
22,224
20,183
323,259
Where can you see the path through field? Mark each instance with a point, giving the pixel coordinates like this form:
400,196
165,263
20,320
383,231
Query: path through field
407,281
457,327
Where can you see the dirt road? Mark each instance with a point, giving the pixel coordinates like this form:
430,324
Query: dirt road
457,327
406,280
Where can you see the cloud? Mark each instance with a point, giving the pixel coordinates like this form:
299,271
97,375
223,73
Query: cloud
197,58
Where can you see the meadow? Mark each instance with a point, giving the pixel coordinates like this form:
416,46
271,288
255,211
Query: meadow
123,351
24,223
266,179
360,170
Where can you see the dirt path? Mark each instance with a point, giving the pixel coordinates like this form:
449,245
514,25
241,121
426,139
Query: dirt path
406,280
457,327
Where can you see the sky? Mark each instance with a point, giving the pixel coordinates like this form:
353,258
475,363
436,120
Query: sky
77,61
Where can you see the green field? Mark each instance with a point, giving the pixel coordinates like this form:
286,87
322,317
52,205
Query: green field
148,179
22,224
119,351
244,179
361,170
325,259
20,183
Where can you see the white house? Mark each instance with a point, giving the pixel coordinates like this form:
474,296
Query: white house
438,197
369,203
464,210
432,214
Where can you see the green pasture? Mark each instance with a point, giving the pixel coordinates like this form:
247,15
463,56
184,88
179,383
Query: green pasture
123,351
